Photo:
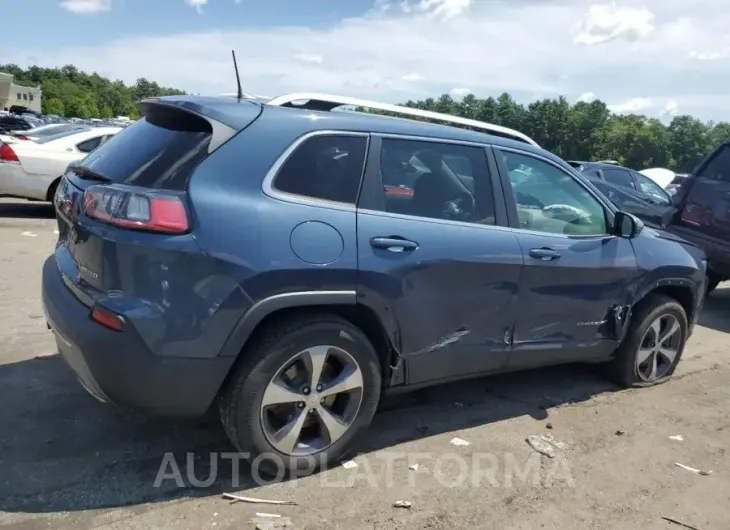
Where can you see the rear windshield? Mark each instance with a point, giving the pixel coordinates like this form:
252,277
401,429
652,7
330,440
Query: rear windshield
158,151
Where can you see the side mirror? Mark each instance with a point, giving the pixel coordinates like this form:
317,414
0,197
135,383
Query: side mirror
627,225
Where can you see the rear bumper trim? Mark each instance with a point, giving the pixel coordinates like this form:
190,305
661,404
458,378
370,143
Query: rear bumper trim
118,367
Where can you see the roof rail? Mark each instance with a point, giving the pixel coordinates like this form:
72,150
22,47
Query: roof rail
315,101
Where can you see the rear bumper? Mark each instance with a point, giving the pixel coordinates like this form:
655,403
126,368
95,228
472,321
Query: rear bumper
117,367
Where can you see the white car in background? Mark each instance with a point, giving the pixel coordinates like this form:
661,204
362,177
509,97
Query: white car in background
42,132
663,177
32,169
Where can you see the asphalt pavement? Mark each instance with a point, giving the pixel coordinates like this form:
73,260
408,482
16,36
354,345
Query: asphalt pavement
457,453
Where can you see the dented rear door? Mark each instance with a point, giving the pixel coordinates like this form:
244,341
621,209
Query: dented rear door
449,287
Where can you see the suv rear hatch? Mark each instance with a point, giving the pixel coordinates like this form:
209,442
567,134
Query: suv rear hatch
130,194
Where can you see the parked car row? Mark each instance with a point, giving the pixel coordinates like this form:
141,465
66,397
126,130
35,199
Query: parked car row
32,168
629,190
11,123
289,266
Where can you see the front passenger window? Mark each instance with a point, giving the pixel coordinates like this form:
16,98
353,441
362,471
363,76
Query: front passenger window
550,200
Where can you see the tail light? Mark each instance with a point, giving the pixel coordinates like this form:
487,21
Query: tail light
107,319
137,209
21,137
7,155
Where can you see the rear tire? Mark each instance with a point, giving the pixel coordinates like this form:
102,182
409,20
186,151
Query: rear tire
276,369
653,344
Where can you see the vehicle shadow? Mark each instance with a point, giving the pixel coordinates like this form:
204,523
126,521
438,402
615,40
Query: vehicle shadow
62,451
18,209
716,313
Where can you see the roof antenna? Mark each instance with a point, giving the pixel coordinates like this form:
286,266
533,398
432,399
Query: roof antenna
239,94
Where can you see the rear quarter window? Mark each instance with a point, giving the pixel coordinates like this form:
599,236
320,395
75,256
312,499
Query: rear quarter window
327,167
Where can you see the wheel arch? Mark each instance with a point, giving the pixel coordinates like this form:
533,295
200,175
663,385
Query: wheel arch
382,333
680,289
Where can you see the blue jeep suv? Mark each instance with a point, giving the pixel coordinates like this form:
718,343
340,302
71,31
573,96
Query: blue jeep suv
289,264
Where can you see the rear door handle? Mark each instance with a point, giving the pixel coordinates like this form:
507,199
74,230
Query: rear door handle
545,254
393,243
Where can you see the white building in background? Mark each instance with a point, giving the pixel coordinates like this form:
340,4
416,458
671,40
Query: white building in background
12,94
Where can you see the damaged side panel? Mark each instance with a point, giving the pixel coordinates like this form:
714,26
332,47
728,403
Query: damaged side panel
454,297
574,308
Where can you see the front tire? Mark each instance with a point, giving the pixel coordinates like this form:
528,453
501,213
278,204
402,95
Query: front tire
653,344
305,391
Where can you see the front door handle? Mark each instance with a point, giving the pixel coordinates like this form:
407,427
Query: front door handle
545,254
393,243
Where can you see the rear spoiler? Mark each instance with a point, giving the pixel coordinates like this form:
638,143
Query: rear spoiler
223,124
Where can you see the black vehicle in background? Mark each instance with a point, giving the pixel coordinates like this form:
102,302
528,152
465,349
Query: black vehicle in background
20,110
701,212
14,123
629,190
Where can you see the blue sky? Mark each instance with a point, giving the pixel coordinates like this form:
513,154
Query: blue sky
656,57
89,21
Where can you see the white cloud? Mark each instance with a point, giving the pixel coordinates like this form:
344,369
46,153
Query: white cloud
86,7
444,9
412,78
523,47
309,58
631,106
586,97
460,92
197,4
670,109
607,22
710,55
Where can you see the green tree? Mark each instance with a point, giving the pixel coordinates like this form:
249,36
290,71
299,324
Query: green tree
53,106
584,131
67,91
589,131
689,141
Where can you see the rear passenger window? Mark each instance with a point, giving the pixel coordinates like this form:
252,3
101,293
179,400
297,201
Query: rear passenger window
325,167
619,177
436,180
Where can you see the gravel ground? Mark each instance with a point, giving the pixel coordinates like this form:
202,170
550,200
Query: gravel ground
67,461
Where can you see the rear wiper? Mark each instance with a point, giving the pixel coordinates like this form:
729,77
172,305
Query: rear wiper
88,174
